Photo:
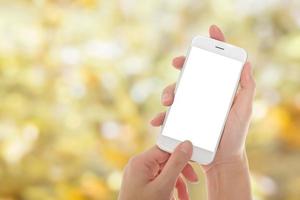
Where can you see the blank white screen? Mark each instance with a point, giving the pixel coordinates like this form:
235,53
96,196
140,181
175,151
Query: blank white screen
203,98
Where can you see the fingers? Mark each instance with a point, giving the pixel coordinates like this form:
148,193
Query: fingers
158,119
156,154
147,165
168,95
244,98
177,161
247,80
216,33
189,173
178,62
182,189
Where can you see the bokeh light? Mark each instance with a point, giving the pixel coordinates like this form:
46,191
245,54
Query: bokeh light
80,80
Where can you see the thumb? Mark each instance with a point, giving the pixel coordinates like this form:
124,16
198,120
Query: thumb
176,163
244,98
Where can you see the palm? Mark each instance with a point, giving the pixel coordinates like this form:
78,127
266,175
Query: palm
234,136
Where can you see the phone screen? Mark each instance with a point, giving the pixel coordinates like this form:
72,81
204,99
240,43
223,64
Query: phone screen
203,98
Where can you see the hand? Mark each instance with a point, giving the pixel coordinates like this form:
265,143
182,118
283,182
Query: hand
232,144
154,174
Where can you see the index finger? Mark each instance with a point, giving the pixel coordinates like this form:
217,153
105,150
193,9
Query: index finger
214,33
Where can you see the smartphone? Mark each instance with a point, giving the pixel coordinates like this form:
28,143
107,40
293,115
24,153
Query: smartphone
203,97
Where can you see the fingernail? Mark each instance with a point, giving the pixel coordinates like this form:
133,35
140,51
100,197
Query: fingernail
155,118
195,182
186,147
165,98
194,179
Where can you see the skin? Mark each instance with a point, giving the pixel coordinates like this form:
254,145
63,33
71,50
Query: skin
155,174
227,177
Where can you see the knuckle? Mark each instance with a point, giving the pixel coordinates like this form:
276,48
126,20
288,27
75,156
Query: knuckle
133,162
180,159
177,162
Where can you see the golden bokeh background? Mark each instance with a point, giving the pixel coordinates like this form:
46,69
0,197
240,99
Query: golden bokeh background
80,80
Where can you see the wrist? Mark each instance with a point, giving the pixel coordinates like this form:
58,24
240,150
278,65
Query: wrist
238,161
229,179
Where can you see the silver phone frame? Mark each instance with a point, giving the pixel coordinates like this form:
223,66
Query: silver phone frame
200,155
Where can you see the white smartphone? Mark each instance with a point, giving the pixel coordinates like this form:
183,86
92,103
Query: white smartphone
203,97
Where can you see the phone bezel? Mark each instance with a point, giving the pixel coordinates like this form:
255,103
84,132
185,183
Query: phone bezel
200,155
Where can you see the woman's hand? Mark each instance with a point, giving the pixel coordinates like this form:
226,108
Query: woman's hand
228,175
232,144
155,174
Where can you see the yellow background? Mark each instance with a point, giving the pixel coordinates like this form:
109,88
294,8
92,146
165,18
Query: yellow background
80,80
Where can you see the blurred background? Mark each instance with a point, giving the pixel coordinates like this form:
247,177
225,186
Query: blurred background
80,81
